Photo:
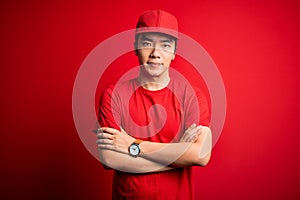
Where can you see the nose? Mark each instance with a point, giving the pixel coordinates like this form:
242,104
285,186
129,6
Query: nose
155,52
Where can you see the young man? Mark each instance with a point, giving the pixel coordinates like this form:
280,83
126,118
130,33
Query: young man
154,127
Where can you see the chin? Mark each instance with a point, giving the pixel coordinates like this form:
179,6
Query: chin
155,75
155,72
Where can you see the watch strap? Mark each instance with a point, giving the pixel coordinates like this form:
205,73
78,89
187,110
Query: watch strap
138,141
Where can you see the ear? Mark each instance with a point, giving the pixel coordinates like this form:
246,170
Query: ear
135,48
173,57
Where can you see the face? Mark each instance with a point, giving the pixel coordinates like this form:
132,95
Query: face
155,52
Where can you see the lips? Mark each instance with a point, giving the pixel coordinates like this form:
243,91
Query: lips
154,64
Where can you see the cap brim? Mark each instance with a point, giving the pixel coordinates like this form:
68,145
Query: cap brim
166,31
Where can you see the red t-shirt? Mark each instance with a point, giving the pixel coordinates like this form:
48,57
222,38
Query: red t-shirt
157,116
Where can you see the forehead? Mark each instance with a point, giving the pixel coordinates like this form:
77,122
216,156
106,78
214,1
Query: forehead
155,37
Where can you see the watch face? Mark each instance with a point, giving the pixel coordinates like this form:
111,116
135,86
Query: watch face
134,149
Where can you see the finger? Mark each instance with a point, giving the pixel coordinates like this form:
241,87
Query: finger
98,130
190,138
199,129
105,142
105,136
186,133
191,127
182,139
108,130
193,134
105,146
197,133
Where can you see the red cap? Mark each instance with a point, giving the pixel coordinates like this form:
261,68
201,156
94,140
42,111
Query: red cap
157,21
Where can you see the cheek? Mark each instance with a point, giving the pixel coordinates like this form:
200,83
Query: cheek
142,59
168,59
142,56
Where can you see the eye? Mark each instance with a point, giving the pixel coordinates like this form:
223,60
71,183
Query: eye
146,44
166,45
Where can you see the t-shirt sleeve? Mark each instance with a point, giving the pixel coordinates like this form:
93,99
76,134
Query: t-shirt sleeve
197,109
204,107
109,112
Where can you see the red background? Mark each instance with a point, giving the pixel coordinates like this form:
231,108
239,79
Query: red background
255,44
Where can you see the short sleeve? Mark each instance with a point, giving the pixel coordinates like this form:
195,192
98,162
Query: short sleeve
197,109
109,112
205,115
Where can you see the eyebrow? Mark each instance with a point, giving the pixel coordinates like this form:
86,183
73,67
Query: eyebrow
143,38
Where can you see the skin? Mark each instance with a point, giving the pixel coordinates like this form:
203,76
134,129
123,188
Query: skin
155,53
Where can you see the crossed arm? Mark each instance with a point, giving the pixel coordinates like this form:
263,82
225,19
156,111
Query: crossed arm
194,148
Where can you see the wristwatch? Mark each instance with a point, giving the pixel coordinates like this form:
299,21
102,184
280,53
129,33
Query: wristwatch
134,149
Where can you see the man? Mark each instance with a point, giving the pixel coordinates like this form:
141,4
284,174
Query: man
154,127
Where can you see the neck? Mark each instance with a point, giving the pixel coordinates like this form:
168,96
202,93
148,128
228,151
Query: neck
154,83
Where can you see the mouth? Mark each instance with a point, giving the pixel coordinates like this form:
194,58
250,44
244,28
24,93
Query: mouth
154,64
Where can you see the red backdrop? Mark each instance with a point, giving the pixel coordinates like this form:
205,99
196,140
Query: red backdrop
255,45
